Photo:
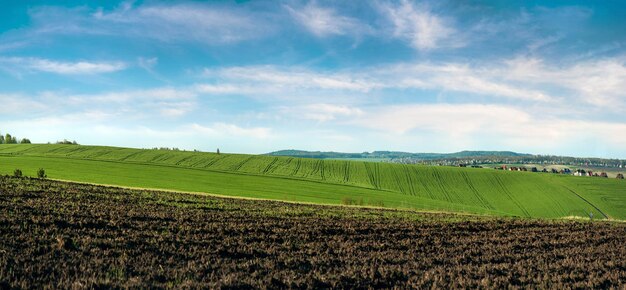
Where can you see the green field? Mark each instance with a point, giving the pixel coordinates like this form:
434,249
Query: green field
472,190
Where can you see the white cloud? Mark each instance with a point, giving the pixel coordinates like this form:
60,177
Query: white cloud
462,78
173,109
51,66
21,104
81,67
225,89
148,63
503,127
321,112
418,25
323,21
101,128
150,95
224,129
132,105
445,76
449,118
601,83
207,23
288,78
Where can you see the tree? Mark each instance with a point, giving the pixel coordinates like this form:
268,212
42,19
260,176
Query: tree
25,141
41,173
1,139
67,142
13,140
7,138
218,150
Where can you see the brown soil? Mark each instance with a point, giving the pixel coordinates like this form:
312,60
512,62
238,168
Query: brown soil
63,235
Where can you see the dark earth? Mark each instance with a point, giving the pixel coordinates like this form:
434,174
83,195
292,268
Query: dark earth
66,235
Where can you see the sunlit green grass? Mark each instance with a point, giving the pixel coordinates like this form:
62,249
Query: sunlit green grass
327,181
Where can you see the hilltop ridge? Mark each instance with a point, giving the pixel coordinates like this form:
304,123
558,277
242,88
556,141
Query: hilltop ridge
391,154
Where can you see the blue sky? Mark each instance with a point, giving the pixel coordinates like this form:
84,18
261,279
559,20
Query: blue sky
545,77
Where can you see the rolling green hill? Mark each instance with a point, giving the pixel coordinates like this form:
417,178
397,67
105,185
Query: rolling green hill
473,190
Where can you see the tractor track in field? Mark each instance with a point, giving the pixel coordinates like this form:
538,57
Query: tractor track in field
588,202
78,150
240,164
267,168
102,153
346,172
179,162
213,161
510,196
129,156
398,182
475,192
440,183
155,158
297,169
370,175
409,181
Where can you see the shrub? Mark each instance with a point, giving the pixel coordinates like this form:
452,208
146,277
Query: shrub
41,173
347,201
17,173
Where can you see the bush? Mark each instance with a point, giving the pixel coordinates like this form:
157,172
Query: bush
41,173
351,201
17,173
347,201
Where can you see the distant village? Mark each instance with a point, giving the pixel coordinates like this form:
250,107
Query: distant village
530,160
577,172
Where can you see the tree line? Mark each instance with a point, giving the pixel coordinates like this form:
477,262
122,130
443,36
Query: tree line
8,139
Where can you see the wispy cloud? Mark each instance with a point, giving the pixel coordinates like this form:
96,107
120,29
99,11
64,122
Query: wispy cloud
600,82
205,23
127,105
58,67
291,78
326,21
13,103
505,127
222,129
456,77
418,25
321,112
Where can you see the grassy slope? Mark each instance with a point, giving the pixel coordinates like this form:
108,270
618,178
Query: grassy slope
327,181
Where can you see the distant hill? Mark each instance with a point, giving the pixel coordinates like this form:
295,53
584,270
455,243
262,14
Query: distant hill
393,154
463,157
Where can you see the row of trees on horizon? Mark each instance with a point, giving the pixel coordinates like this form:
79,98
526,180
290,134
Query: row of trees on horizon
8,139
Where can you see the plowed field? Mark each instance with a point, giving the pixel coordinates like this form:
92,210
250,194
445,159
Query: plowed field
62,235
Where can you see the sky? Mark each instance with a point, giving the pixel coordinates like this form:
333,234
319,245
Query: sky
542,77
